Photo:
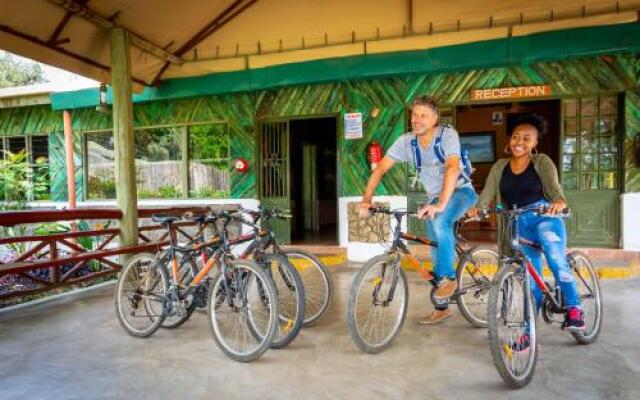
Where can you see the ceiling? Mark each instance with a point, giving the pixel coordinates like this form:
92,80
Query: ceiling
194,37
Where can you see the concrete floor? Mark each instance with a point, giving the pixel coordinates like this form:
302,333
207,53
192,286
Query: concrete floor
74,348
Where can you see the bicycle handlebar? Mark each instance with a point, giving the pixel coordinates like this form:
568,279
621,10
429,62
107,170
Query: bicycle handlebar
540,210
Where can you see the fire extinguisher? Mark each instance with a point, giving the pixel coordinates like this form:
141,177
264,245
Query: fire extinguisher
375,154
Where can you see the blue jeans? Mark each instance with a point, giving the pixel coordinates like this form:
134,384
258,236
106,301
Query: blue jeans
549,232
440,230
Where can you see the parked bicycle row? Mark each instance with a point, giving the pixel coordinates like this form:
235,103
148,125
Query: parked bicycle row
254,301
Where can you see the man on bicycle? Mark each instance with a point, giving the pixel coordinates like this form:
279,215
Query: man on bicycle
434,150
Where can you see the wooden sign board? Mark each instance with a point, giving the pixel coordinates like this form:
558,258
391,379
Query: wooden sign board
517,92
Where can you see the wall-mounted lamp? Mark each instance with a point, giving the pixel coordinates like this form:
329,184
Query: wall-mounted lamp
102,98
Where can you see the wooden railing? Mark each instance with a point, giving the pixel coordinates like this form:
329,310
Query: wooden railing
51,261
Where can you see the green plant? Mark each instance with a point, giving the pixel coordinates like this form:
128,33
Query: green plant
19,182
102,187
169,192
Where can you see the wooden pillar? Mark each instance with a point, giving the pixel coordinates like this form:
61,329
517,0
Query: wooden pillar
126,191
68,148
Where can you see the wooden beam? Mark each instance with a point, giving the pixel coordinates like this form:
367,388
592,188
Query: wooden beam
60,27
126,190
81,10
35,40
217,23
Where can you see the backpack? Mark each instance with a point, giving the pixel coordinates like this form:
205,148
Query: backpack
467,169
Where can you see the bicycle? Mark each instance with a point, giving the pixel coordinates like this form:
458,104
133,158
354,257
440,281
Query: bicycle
286,279
146,294
512,310
318,285
380,292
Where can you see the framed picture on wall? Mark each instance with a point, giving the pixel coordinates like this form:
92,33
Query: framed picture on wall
480,145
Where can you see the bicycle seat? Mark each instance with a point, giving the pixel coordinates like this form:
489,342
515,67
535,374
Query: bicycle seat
200,219
164,219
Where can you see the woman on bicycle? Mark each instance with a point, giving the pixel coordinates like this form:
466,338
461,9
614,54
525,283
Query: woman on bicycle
527,178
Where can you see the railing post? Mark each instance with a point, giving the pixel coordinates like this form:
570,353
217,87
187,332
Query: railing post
53,255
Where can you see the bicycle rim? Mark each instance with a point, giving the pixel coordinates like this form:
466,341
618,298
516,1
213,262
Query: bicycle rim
511,317
375,318
590,297
475,274
140,295
318,287
247,295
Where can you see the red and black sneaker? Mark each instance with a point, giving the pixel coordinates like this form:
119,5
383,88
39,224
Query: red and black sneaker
575,320
522,344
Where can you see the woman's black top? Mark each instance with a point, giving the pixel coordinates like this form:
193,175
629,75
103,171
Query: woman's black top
522,189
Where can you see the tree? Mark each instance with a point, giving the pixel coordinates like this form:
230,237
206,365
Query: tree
15,71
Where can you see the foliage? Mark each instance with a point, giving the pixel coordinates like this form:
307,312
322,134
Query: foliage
102,187
208,142
17,72
20,182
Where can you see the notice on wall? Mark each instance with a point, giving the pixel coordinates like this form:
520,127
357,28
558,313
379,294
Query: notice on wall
353,125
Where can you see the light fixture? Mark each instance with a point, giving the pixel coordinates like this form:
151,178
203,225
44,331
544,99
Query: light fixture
102,98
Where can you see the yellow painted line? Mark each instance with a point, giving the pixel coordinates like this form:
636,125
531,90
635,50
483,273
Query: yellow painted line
329,260
603,271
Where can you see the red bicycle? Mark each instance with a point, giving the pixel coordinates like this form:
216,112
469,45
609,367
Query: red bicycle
511,309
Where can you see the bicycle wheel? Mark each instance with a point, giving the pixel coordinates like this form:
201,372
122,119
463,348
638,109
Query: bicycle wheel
140,293
377,304
474,274
244,292
186,273
291,299
512,323
318,285
590,296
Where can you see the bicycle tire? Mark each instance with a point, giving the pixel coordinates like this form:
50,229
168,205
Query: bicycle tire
217,302
590,334
479,289
352,312
500,350
157,318
314,310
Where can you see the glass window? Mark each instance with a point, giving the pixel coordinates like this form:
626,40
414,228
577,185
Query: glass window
209,161
100,158
593,153
34,168
159,162
16,144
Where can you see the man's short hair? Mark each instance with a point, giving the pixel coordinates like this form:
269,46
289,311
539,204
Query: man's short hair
427,101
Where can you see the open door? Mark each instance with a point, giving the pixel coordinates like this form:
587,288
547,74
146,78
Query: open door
275,174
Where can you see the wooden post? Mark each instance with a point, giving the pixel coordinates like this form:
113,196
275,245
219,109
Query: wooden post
184,176
126,191
68,148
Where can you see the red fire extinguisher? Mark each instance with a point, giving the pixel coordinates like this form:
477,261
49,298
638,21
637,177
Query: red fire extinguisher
375,154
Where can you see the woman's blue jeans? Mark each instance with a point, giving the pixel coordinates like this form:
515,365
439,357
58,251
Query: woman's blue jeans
549,232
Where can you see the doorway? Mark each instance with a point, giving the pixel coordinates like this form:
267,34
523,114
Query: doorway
314,196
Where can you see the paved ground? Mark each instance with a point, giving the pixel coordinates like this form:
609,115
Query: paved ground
74,348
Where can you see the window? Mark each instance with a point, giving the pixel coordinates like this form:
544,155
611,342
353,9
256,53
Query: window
590,143
209,161
25,160
163,170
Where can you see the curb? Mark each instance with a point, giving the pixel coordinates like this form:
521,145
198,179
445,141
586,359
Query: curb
56,297
603,271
